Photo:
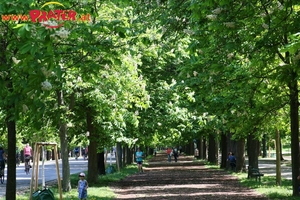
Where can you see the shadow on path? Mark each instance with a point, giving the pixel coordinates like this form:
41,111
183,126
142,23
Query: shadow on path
181,180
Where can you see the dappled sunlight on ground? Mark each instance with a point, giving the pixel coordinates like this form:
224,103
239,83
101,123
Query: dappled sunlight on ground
183,180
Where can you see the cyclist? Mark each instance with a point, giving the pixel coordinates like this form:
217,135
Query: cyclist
27,155
2,159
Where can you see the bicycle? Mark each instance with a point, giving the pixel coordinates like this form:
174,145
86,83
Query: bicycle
27,165
1,175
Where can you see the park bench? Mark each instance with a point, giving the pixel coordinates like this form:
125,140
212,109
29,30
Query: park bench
254,173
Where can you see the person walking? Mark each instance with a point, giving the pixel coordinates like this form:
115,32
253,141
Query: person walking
232,161
139,160
169,153
2,159
175,154
76,152
82,187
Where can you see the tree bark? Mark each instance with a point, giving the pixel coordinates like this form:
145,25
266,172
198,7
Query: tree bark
200,147
101,163
212,154
252,151
278,158
204,153
240,155
119,154
92,161
264,143
224,156
294,117
231,147
11,162
63,132
12,140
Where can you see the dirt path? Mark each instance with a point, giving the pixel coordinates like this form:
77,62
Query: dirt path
181,180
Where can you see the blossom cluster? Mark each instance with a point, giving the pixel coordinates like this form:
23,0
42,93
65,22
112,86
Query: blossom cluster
46,85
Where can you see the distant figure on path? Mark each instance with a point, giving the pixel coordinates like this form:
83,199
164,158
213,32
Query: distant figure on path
175,153
232,161
169,153
2,159
27,151
139,160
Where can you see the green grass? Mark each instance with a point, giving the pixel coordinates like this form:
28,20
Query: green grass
101,191
268,186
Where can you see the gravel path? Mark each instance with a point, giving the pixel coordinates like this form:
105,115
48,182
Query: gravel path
182,180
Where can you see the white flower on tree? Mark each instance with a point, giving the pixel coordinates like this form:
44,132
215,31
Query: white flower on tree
230,55
217,11
49,23
211,17
15,60
46,85
266,26
25,108
229,24
63,33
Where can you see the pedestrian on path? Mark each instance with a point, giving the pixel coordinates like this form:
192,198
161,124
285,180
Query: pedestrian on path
232,161
175,153
82,187
139,160
2,159
169,153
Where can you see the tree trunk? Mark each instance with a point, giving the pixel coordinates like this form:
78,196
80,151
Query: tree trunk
11,162
294,117
223,151
101,163
11,129
66,184
278,159
204,153
231,147
240,155
201,148
124,156
92,161
252,151
212,154
119,153
264,143
128,155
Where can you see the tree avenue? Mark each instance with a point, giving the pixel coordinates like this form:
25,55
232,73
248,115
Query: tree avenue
206,74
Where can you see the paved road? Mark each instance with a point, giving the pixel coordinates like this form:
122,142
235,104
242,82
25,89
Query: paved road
268,166
23,180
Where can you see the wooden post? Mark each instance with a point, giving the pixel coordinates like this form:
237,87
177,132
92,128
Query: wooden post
35,168
57,171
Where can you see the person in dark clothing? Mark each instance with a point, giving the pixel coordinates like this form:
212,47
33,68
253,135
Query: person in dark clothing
175,153
2,159
232,161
